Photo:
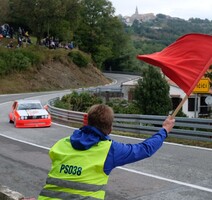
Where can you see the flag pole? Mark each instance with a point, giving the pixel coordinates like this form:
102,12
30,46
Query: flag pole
179,106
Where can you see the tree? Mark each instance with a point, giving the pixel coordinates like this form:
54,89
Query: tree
4,11
38,15
72,16
99,32
152,93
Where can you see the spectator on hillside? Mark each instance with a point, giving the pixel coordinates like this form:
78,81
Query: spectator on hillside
20,41
52,45
71,45
27,38
20,31
10,44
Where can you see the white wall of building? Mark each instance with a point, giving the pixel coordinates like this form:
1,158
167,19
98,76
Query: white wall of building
175,91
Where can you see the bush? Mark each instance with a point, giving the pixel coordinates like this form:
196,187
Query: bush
62,105
79,58
78,101
83,101
3,67
123,106
20,59
35,56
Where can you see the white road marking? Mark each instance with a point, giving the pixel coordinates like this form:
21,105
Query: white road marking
168,180
25,142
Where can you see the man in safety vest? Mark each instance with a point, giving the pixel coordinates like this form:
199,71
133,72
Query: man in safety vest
81,163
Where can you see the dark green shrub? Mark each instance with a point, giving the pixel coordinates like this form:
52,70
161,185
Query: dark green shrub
3,67
181,114
62,104
34,56
78,101
79,58
123,106
83,101
18,61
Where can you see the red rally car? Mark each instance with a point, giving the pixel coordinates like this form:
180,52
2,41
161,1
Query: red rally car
29,113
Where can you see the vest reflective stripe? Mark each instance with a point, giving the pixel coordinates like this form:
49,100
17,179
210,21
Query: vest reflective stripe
62,195
74,185
76,174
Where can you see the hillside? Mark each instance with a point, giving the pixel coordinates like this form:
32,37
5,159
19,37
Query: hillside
53,75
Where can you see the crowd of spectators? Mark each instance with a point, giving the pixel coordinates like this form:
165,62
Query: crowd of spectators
22,36
23,39
53,43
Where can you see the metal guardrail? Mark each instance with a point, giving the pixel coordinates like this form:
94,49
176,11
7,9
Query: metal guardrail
64,115
187,128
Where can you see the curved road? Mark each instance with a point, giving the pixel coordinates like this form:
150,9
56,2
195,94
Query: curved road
174,172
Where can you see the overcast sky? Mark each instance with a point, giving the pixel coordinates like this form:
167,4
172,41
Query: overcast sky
184,9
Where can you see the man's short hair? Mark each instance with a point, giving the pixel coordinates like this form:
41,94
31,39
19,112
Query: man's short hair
101,116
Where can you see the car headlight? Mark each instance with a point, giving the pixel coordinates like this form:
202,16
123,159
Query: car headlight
23,117
44,116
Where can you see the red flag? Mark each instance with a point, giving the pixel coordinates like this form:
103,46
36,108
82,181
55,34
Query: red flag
185,61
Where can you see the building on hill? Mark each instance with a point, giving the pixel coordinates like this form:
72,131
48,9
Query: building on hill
136,16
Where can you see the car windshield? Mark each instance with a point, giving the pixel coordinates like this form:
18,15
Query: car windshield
29,106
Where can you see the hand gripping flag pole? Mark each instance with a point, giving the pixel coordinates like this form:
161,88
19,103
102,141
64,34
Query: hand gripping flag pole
185,61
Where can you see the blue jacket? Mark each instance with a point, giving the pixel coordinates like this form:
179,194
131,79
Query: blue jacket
119,153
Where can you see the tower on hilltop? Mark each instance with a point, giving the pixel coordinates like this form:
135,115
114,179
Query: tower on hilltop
140,17
136,10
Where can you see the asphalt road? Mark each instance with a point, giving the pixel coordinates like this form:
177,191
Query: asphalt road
175,172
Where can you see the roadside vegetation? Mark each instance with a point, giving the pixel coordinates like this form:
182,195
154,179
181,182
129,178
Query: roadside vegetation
33,56
20,60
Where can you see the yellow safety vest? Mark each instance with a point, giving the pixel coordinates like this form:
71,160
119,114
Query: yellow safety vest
76,174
